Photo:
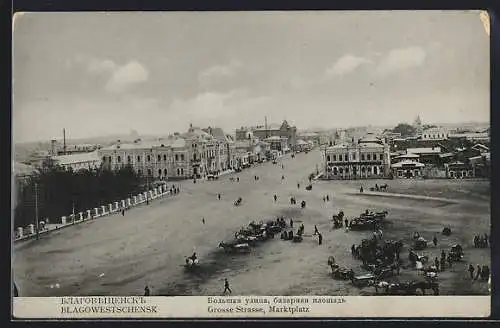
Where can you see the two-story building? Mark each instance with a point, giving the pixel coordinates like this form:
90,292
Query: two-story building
369,158
437,133
78,161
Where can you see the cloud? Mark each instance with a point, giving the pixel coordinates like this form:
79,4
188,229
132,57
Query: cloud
346,64
124,76
402,59
215,73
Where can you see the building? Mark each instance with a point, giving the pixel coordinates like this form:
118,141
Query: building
196,153
284,130
407,166
369,158
78,161
435,134
302,146
417,125
427,155
459,170
471,136
278,144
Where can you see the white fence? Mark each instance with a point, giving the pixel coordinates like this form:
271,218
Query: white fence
29,232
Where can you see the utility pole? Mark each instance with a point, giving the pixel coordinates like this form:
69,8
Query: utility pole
36,211
147,189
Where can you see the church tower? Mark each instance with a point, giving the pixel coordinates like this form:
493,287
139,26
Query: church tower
417,124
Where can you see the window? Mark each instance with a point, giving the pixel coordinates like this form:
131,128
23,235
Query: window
182,157
148,158
341,170
353,156
159,158
362,157
104,158
139,172
182,171
165,172
119,159
149,172
335,171
159,172
381,157
178,172
165,158
368,157
138,158
176,157
334,158
328,158
346,157
129,159
375,170
109,159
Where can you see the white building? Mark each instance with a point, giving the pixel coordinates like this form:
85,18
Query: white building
435,134
369,158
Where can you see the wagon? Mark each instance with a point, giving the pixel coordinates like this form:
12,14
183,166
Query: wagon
212,177
363,280
420,243
342,273
456,252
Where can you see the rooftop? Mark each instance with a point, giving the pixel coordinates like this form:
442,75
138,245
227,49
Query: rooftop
427,150
76,158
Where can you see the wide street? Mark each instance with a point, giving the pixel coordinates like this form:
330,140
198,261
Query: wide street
119,255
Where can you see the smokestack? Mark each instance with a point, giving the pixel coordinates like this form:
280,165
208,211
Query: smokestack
265,122
64,141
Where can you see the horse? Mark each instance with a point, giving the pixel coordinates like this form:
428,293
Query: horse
303,204
383,187
191,263
235,248
238,201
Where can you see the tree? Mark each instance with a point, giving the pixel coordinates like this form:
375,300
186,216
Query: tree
406,130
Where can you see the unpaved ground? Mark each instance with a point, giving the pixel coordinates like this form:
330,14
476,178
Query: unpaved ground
119,255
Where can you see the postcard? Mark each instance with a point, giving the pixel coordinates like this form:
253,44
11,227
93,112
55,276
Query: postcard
285,164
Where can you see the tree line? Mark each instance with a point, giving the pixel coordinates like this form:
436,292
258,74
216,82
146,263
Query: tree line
60,191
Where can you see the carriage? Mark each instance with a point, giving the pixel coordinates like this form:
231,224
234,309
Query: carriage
456,253
303,204
363,280
420,243
342,273
414,257
191,263
212,177
297,239
362,224
309,187
446,231
238,202
235,247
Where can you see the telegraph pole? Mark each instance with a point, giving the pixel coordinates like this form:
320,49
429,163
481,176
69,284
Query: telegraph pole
36,211
147,189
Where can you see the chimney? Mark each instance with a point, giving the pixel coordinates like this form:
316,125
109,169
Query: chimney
64,141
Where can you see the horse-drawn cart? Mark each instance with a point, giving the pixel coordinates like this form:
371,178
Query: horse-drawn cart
456,253
420,243
363,280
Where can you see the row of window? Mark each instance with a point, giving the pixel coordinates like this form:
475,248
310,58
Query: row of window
434,135
345,157
363,170
148,158
180,171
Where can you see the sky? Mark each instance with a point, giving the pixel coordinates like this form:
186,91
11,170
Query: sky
109,73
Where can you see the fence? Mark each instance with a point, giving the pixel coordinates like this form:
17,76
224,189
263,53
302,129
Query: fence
29,232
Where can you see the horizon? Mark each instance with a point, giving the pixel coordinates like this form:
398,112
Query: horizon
99,74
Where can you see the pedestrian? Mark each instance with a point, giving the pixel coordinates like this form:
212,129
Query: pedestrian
486,239
324,199
123,212
346,221
316,231
298,185
203,220
361,189
291,223
218,196
146,291
353,250
471,271
443,263
226,287
282,166
450,260
237,179
435,240
275,198
398,267
320,239
436,263
327,198
478,272
282,177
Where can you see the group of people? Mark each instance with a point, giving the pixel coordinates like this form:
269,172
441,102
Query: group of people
481,241
482,272
326,198
441,263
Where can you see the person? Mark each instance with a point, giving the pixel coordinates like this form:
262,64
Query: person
361,189
316,231
376,187
478,272
16,291
471,271
435,240
346,221
298,185
353,249
194,257
327,198
450,260
275,198
320,239
226,287
486,240
282,177
291,223
123,212
398,268
218,196
146,291
324,199
203,220
436,263
282,166
237,179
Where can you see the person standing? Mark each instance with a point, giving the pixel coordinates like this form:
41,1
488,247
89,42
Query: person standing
327,198
275,198
203,220
218,196
146,291
316,231
298,185
435,241
471,271
478,272
320,239
226,287
291,223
